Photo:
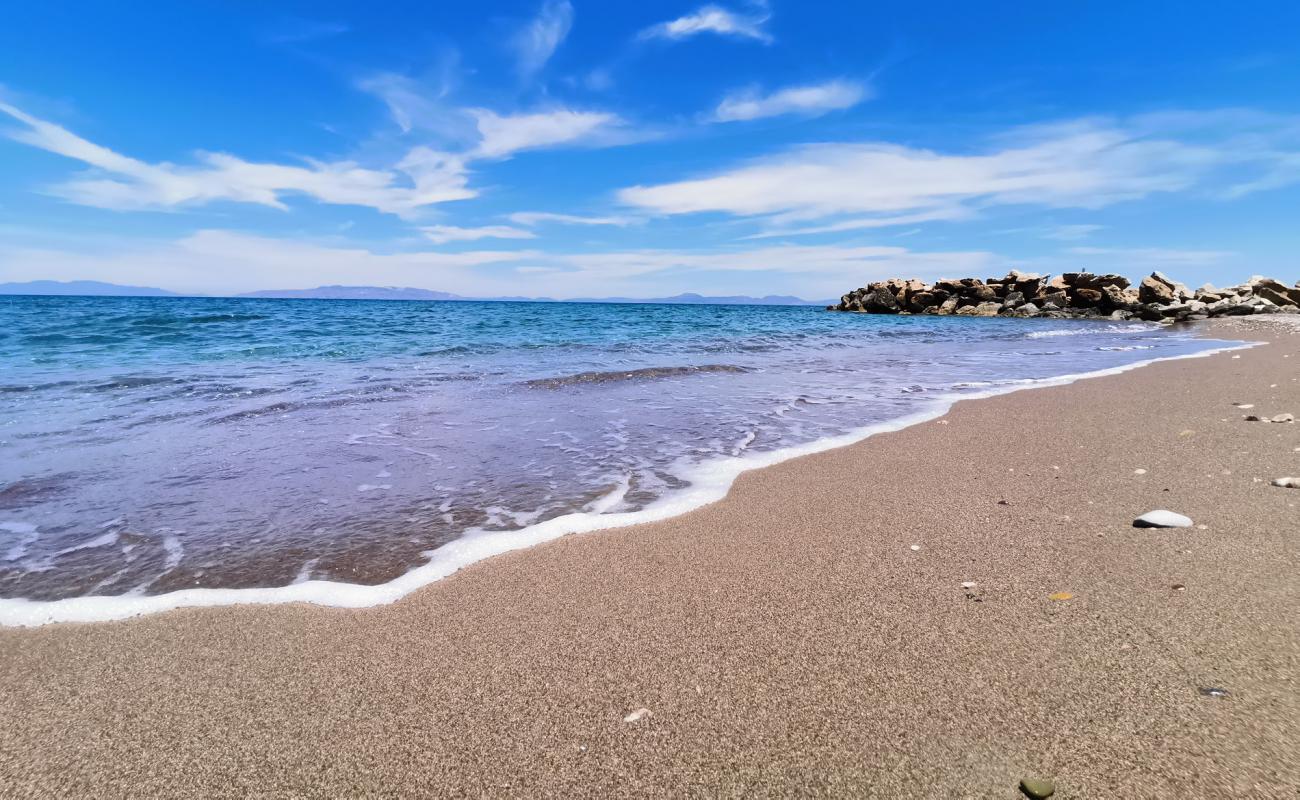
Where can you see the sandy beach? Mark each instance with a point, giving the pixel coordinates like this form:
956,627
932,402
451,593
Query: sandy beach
808,635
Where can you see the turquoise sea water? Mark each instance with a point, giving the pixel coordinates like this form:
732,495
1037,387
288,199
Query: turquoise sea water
151,445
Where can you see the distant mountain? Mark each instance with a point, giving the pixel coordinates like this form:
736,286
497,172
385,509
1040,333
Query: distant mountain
690,298
408,293
99,289
83,288
355,293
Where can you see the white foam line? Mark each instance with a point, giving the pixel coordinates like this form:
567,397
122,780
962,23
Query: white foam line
709,483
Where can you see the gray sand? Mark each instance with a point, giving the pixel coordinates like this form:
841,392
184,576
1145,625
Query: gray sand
786,640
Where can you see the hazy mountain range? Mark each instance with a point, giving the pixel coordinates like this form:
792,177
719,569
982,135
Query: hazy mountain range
99,289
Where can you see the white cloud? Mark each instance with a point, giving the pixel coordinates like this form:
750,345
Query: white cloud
1080,164
532,218
503,135
441,234
813,100
422,178
712,19
537,41
1072,233
946,213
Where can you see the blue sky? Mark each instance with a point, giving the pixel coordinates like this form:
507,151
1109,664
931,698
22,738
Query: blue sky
569,148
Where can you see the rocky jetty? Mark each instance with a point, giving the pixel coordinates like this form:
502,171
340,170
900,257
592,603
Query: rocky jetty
1072,295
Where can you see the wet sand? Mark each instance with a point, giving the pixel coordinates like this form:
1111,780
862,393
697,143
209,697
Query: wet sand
786,640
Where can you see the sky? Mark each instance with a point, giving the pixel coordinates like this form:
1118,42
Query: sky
571,148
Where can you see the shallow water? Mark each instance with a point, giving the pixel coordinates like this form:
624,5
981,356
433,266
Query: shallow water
155,444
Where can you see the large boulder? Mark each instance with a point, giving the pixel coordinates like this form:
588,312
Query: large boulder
880,300
1154,290
1087,280
1087,298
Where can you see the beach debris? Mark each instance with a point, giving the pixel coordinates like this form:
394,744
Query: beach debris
1037,788
1139,471
1060,596
1287,483
1283,418
1161,518
637,716
1212,691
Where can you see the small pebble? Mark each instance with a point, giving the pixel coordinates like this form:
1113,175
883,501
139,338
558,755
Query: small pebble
1253,418
1139,471
1287,483
969,584
1003,503
1178,587
1244,405
1212,691
638,715
916,547
1037,788
1284,418
1162,519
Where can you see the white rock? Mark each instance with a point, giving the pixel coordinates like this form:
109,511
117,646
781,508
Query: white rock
1139,471
1162,519
1284,418
1287,483
638,715
916,547
1245,405
969,584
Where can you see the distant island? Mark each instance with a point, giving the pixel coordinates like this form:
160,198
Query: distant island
83,288
100,289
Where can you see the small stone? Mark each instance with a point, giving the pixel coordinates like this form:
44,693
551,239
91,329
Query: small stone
969,584
1003,503
1139,471
1284,418
1060,596
1252,418
1244,406
637,716
916,547
1162,519
1178,587
1212,691
1037,788
1287,483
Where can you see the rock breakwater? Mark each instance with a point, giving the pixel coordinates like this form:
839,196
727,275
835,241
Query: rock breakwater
1157,298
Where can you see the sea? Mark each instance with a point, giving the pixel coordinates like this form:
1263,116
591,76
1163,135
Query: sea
164,452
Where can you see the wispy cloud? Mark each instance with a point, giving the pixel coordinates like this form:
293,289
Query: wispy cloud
1087,163
538,40
532,218
713,19
812,101
422,178
441,234
505,134
1072,233
298,31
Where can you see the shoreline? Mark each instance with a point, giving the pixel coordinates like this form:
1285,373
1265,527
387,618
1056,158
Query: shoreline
710,482
786,639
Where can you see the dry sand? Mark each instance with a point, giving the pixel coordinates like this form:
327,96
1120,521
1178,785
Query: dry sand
787,640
